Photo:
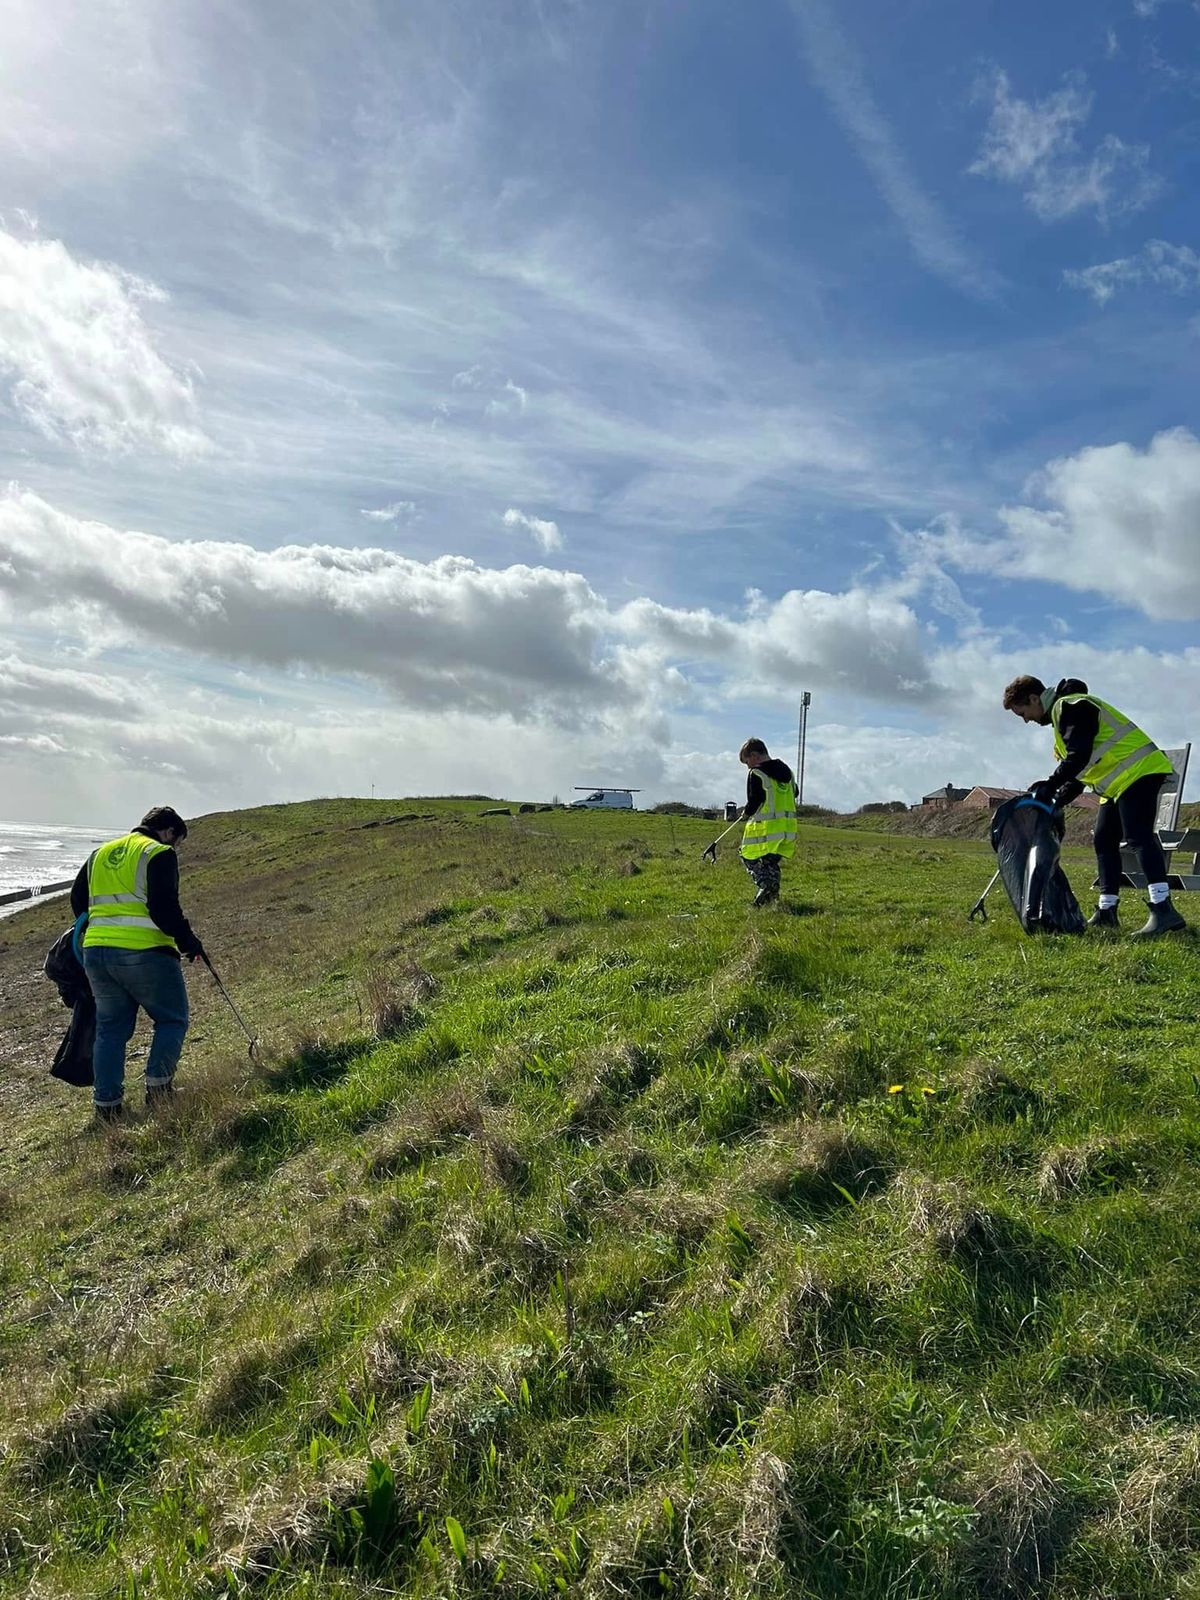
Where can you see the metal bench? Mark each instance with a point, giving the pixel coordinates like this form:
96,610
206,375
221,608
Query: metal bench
1177,842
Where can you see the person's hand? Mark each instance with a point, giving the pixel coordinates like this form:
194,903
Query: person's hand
1044,791
198,954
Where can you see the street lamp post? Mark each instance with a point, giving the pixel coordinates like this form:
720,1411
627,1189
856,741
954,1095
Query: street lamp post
801,741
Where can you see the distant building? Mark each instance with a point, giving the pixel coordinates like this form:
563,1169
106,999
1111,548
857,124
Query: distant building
983,798
942,799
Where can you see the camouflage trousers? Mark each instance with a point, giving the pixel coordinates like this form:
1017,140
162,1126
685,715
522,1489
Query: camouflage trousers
765,871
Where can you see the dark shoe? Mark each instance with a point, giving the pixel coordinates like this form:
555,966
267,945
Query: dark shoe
159,1095
106,1114
765,896
1162,919
1104,917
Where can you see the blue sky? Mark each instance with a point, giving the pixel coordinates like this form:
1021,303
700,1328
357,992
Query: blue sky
504,396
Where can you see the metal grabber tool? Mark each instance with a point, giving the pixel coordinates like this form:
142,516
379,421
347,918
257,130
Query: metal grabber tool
225,996
979,909
710,854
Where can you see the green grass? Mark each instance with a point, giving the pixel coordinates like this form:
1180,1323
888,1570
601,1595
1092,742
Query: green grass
571,1235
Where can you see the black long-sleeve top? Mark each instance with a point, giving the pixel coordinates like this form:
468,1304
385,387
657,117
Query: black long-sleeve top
162,898
756,794
1078,726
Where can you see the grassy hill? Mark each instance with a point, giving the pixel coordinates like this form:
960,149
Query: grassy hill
581,1231
957,823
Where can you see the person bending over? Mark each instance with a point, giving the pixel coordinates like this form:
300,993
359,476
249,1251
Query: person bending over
1100,748
135,934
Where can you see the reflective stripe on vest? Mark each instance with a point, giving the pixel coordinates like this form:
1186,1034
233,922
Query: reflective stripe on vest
1121,754
118,914
771,831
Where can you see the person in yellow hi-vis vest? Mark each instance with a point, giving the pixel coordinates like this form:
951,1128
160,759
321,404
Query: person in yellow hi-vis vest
1100,748
769,836
135,935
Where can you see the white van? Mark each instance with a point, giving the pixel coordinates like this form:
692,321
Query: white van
606,800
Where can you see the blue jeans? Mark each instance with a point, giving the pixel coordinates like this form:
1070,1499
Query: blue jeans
123,980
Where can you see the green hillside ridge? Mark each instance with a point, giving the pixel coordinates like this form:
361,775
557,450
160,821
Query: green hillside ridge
958,822
571,1235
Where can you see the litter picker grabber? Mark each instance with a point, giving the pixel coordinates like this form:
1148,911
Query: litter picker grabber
979,909
710,854
225,996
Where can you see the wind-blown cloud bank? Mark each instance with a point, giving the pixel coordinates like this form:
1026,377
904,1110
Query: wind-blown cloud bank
526,641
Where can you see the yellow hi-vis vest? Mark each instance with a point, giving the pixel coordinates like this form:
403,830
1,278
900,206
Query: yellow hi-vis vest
771,831
1121,754
118,914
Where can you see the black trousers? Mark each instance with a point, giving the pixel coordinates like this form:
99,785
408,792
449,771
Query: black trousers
1130,818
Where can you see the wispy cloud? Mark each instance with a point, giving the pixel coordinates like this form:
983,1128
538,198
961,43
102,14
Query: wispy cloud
546,533
1174,267
394,511
1035,145
82,359
839,75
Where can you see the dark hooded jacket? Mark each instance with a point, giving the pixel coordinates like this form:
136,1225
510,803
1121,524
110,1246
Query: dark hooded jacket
756,794
1078,725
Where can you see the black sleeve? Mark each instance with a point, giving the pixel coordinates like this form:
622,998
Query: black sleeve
79,891
756,794
162,899
1079,725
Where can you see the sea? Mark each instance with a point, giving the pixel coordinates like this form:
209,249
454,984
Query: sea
33,854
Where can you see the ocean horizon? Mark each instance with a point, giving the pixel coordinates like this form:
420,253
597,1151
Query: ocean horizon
34,854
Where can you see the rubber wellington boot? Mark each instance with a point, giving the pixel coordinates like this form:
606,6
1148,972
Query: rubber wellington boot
1163,918
1104,917
764,897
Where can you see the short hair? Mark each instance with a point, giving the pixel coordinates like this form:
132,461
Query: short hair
160,817
753,747
1020,690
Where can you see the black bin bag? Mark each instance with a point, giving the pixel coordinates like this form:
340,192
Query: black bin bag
1025,837
73,1062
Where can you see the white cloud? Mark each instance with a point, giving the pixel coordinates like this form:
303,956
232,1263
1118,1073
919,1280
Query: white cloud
1169,266
38,743
26,684
394,511
510,402
545,532
1035,144
73,339
1119,521
860,642
1114,520
840,77
441,633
